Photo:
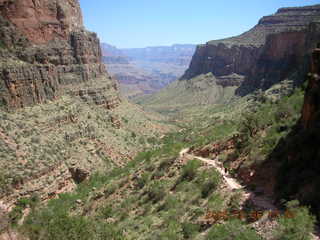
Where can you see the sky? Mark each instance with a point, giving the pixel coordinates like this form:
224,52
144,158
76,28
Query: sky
142,23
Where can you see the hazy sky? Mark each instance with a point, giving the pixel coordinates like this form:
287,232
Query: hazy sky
141,23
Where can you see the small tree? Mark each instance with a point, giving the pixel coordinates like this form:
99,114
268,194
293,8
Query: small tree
249,125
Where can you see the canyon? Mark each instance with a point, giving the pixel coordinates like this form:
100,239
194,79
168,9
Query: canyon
272,51
143,71
275,51
237,133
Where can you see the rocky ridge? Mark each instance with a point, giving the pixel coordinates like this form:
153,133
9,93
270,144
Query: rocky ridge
278,44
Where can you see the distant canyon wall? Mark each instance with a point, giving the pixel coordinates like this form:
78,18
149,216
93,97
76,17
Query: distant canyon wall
275,49
147,70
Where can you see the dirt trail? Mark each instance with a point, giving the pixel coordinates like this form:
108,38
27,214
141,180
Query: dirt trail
233,184
259,201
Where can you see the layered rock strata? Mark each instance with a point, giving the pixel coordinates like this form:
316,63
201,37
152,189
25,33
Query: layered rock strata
45,55
296,158
45,52
267,54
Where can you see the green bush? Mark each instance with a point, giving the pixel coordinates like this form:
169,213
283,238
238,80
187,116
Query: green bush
106,212
156,192
53,225
232,230
143,180
172,232
298,225
190,230
249,125
190,170
17,212
171,203
215,202
208,181
166,163
284,112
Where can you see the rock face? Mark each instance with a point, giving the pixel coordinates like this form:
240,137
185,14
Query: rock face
277,44
222,60
43,20
284,56
310,111
297,157
45,52
47,55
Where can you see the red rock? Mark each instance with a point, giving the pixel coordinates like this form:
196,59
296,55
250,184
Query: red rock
267,54
50,52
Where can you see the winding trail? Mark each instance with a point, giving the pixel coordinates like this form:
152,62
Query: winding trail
259,201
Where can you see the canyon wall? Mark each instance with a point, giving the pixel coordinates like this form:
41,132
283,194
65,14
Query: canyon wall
270,52
43,20
45,51
61,117
297,157
285,56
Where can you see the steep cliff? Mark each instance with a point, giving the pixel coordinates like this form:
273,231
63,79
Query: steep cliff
285,56
43,20
276,44
61,117
296,158
46,52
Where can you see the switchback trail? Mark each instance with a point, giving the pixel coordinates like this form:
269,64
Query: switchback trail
259,201
233,184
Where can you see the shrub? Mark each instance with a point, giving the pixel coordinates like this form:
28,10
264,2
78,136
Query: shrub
170,203
17,212
189,171
250,125
106,212
189,230
232,230
52,225
172,232
215,202
297,226
208,182
284,112
141,181
4,221
156,192
111,188
234,203
166,163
